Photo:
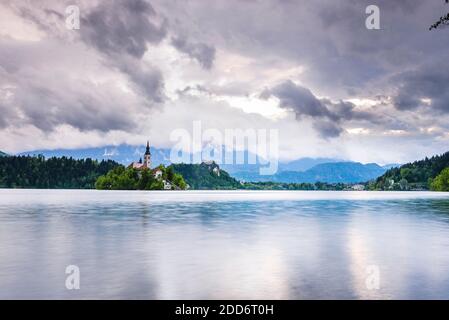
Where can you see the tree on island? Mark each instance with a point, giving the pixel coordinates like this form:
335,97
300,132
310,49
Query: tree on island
121,178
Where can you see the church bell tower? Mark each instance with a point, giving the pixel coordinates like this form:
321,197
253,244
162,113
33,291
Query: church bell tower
147,156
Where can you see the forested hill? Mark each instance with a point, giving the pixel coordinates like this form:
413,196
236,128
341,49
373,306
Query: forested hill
417,175
205,176
38,172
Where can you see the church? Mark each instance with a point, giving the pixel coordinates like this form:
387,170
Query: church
146,164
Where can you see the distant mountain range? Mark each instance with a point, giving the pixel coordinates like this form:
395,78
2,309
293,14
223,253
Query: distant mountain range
347,172
300,170
252,170
334,172
2,154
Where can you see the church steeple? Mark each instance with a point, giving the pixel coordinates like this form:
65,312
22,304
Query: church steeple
148,148
147,156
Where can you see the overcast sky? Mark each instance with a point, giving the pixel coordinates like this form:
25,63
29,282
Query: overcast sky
311,69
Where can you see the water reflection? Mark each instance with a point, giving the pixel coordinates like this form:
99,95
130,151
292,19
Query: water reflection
194,245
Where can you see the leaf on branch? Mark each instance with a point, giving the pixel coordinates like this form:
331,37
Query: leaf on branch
444,20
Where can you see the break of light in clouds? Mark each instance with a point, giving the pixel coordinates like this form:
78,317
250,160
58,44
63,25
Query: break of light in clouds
139,69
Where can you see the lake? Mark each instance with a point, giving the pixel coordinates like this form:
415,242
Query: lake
224,244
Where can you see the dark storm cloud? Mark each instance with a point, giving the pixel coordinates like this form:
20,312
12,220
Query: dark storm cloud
329,38
327,129
300,99
417,87
123,27
122,30
201,52
146,80
34,92
47,109
328,116
359,57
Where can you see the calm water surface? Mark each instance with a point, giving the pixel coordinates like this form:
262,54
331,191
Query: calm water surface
230,245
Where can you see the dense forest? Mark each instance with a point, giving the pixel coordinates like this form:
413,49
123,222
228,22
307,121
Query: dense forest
418,175
61,173
206,176
121,178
